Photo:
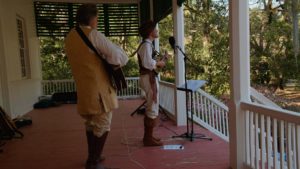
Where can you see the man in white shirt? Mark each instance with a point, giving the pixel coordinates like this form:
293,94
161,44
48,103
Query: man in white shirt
149,80
96,95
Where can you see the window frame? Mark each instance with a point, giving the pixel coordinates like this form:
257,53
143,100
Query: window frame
23,48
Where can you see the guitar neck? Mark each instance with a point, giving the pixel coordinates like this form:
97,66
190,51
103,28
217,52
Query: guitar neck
164,58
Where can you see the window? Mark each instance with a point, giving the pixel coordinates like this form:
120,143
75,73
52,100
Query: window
23,48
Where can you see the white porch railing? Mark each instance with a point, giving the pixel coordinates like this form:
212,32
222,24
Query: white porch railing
208,111
272,137
133,90
272,134
52,86
261,99
211,114
167,96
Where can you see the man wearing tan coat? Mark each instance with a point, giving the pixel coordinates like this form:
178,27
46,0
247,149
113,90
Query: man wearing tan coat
96,96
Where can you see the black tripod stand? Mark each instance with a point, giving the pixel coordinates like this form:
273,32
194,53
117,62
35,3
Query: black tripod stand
189,87
142,109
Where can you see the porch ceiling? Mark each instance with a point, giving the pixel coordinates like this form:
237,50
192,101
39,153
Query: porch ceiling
94,1
116,17
57,18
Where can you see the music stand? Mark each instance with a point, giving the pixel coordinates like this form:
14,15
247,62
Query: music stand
189,87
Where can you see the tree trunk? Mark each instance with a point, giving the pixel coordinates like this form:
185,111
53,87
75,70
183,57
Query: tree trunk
295,30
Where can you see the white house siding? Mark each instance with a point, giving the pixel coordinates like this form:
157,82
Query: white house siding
22,93
1,63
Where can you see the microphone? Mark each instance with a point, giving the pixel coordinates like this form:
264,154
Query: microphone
172,42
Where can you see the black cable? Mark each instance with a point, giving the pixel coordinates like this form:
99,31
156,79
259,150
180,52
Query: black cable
172,131
163,118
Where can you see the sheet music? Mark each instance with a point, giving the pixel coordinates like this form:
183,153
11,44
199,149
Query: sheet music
193,85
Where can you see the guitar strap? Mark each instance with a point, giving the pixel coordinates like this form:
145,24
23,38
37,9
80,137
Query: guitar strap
89,43
115,73
136,51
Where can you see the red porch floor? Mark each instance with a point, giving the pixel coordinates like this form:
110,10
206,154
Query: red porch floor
56,140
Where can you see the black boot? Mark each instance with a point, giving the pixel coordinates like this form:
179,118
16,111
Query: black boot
95,148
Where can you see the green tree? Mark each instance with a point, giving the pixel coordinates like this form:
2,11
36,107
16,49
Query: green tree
55,65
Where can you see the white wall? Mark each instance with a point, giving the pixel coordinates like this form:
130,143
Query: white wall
1,65
4,97
22,93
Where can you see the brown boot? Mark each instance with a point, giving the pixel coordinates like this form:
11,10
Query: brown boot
148,139
156,121
95,148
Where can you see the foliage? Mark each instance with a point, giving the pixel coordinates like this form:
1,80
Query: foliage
54,61
272,55
55,64
207,44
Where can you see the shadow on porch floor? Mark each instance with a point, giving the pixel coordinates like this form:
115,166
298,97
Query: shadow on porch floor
56,140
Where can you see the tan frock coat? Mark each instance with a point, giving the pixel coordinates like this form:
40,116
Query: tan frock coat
92,82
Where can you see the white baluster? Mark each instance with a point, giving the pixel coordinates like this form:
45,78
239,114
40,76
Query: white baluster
269,143
289,146
262,141
227,126
213,118
247,127
275,144
197,105
220,119
294,154
194,104
282,147
256,142
252,139
298,145
205,110
202,108
209,112
223,112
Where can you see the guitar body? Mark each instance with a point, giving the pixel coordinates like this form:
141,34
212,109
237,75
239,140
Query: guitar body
116,74
119,79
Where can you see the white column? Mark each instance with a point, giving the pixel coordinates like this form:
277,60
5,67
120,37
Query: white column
240,79
156,41
178,22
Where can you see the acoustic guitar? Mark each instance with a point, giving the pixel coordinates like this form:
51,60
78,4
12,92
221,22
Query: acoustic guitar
115,73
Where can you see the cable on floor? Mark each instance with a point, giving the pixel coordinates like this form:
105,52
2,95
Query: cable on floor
127,145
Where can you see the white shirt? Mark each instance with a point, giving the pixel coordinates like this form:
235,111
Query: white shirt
112,53
145,53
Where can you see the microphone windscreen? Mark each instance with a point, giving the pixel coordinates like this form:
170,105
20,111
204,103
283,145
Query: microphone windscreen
172,41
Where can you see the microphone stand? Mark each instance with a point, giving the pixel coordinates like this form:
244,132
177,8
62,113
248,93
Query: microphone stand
188,135
186,58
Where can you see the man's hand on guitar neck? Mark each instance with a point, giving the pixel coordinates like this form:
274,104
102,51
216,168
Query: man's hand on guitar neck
166,56
160,64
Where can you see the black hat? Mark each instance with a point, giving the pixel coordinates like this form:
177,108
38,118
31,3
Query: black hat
146,28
